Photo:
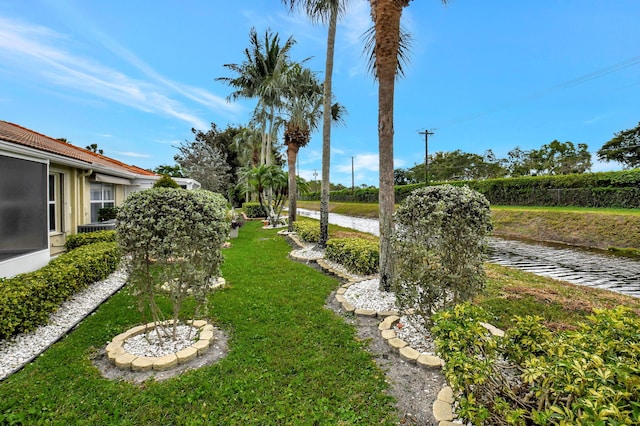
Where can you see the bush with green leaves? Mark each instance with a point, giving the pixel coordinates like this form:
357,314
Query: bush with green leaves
253,210
78,240
358,255
173,239
308,230
27,300
587,376
440,247
166,182
107,213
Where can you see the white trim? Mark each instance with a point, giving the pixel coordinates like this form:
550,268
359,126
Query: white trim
25,263
111,179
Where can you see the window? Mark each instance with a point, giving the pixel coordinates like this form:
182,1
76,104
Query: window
23,209
102,195
55,202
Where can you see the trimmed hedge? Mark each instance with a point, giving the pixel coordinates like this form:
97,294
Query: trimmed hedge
253,210
358,255
605,189
307,229
27,300
79,240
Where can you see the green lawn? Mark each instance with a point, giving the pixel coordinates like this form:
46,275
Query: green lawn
291,361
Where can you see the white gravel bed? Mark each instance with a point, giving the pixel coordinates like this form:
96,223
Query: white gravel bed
412,330
338,267
23,348
367,295
308,252
148,344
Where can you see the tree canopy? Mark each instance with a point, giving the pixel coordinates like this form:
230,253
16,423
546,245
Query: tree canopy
623,148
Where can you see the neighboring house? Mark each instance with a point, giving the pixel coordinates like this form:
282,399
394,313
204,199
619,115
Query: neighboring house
49,189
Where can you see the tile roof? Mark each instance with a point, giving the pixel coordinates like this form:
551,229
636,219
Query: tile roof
19,135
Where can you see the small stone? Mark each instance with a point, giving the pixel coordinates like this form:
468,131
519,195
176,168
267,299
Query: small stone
385,314
495,331
430,361
124,361
201,346
142,363
388,322
388,334
199,323
442,411
187,354
165,362
397,343
206,335
341,290
114,353
348,307
366,312
340,298
207,327
114,345
408,353
446,395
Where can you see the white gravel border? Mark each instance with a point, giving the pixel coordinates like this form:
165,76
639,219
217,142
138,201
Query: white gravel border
23,348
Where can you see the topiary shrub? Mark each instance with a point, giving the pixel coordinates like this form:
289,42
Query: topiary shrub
358,255
253,210
166,182
307,229
440,246
79,240
179,232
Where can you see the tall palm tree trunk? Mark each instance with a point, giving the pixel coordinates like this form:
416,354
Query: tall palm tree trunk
386,17
292,155
326,131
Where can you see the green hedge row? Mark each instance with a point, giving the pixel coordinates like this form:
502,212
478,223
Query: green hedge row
79,240
307,229
605,189
27,300
358,255
253,210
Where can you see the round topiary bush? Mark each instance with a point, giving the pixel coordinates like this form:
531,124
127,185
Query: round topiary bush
173,239
440,247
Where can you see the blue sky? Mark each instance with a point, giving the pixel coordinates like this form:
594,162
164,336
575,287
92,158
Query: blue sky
136,76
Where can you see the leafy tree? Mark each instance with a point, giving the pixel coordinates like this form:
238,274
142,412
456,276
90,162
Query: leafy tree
558,158
440,245
93,147
260,76
518,162
212,159
403,177
166,182
179,231
623,148
267,179
167,170
387,53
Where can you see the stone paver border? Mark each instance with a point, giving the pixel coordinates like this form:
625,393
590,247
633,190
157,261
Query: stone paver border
443,406
126,361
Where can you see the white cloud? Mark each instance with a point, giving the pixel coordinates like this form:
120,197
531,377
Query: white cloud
30,49
361,162
133,154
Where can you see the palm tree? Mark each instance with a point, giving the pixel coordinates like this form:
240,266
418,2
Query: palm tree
303,109
326,11
387,53
259,76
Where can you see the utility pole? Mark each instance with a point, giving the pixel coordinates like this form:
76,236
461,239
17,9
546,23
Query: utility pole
353,188
426,134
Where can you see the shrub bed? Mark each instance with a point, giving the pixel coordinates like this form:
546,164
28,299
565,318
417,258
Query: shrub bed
358,255
587,376
308,230
253,210
78,240
27,300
